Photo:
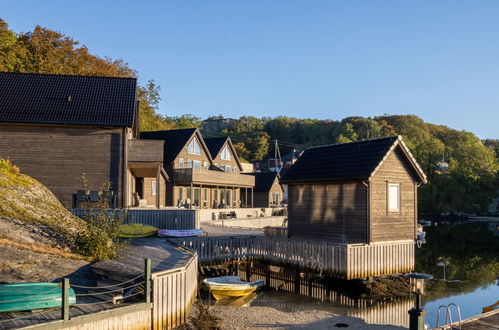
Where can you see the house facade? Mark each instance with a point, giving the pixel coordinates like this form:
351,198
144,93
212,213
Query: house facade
359,192
204,173
268,191
60,128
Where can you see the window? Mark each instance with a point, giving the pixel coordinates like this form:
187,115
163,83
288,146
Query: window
205,165
225,154
193,147
393,197
228,168
189,163
153,187
196,164
181,163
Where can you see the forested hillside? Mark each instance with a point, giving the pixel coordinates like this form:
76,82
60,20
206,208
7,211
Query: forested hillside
468,185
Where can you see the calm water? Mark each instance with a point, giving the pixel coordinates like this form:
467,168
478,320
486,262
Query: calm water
471,254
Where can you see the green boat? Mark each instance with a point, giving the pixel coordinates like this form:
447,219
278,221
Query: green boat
132,230
32,295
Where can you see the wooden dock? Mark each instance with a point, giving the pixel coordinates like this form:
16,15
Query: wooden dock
174,287
485,321
347,261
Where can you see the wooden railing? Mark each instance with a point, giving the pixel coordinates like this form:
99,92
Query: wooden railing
202,176
162,219
174,292
341,260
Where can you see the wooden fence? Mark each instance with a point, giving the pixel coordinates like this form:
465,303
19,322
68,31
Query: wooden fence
173,294
162,218
340,260
275,231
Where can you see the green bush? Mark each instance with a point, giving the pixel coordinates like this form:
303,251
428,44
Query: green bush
100,240
7,167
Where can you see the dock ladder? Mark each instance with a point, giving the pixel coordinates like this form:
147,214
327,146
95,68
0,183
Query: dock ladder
448,317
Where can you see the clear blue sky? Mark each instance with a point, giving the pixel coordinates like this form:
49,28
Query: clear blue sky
319,59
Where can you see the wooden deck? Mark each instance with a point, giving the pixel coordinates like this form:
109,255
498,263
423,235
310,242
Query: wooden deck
486,321
174,285
340,260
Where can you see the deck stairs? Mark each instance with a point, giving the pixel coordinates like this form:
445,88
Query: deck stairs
449,323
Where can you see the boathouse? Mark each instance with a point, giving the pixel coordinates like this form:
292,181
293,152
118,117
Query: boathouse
57,127
359,192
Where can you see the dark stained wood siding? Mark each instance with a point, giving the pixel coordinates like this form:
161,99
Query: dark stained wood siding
58,156
392,226
328,211
264,198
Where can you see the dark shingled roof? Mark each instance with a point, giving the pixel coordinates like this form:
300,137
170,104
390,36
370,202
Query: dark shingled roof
264,180
353,161
65,99
215,144
175,140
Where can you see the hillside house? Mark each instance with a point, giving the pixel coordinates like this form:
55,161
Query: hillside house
58,127
359,192
204,174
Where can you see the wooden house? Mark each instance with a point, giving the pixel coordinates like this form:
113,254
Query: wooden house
359,192
203,173
268,190
57,128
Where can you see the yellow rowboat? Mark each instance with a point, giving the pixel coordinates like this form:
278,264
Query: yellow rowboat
491,308
243,301
221,292
230,286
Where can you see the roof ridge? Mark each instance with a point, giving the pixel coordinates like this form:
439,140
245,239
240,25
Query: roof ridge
64,75
355,142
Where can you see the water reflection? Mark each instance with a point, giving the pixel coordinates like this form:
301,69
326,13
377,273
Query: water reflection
463,257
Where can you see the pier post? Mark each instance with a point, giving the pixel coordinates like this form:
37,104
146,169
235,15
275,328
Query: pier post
147,280
65,300
297,280
248,271
267,275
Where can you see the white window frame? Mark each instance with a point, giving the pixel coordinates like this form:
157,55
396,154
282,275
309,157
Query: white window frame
390,200
181,162
193,147
196,164
225,154
153,188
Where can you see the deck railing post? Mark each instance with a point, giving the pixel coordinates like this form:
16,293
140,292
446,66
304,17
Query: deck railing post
65,299
147,280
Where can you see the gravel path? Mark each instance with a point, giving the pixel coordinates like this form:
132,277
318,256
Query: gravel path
271,318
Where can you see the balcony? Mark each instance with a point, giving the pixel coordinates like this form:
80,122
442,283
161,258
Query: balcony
210,177
145,150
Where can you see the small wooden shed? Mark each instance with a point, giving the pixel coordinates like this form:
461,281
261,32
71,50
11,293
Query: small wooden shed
359,192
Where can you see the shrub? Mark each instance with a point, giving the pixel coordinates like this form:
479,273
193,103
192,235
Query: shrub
100,240
7,167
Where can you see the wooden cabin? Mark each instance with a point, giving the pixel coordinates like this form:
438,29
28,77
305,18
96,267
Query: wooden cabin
359,192
58,127
203,173
268,190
